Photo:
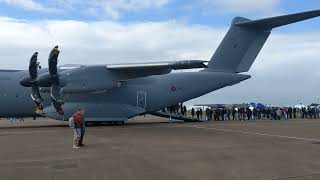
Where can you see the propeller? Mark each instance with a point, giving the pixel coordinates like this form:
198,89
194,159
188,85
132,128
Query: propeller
55,90
35,93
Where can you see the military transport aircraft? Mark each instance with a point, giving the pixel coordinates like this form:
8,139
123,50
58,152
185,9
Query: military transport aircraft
117,92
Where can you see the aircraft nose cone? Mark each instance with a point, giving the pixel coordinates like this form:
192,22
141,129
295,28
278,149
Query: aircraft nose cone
26,82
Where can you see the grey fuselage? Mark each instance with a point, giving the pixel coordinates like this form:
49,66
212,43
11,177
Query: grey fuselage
128,99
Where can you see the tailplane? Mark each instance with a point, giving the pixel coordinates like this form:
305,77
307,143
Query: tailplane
245,39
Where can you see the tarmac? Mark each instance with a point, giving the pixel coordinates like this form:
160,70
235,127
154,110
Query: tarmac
150,148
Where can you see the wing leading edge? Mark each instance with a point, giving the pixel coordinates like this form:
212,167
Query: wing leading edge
173,65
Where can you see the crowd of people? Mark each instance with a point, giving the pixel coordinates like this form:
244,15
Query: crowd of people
273,113
246,112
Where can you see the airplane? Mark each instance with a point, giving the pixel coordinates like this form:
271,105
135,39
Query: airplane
118,92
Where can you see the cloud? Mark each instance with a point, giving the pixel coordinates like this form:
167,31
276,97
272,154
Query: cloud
114,8
106,41
111,8
100,8
242,6
285,72
28,5
117,9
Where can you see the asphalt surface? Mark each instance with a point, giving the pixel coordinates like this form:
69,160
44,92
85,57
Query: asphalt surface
255,150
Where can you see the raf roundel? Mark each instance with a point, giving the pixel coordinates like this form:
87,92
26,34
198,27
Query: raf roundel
173,88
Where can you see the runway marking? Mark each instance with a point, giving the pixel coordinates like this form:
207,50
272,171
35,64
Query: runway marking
255,133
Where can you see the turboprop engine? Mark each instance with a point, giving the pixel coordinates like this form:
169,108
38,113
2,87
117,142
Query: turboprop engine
58,82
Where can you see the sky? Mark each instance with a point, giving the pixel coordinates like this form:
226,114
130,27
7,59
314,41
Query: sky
286,72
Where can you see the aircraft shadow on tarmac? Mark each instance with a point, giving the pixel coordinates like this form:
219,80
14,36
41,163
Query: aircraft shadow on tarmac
106,124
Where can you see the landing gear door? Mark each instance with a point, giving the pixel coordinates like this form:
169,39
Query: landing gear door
141,99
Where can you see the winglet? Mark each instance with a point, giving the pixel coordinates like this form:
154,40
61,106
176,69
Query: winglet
273,22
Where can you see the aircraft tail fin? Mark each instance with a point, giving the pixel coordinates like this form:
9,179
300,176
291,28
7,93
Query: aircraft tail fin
245,39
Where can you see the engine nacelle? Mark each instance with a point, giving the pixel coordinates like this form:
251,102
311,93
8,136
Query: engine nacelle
87,79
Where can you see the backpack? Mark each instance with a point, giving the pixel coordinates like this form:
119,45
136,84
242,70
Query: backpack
77,117
71,123
77,121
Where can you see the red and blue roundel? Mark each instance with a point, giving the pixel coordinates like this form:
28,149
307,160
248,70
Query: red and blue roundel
173,88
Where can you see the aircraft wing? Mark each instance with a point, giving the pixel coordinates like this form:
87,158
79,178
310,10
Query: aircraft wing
167,65
136,70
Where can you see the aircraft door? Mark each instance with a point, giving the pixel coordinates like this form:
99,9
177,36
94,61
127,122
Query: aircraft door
142,99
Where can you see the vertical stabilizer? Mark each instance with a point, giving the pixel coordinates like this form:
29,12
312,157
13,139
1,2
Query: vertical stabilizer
245,39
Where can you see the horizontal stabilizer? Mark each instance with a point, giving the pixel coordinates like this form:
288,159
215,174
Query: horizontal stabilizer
273,22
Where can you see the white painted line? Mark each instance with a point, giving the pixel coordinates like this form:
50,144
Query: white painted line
255,133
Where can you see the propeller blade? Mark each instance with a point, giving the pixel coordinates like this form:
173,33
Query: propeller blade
36,97
35,93
53,61
55,90
56,99
57,106
33,66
